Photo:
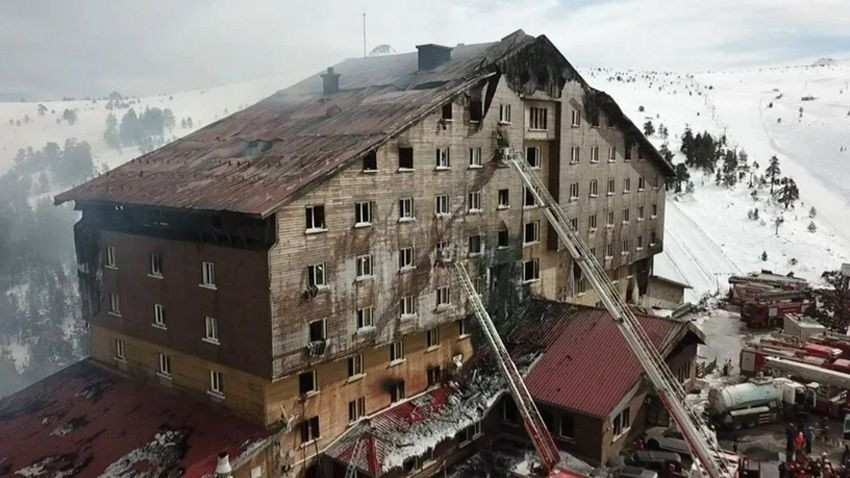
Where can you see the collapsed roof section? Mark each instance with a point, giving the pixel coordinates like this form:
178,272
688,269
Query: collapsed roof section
256,160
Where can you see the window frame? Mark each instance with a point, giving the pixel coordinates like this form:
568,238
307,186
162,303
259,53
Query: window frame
355,367
357,407
403,155
575,154
324,330
535,233
537,164
535,271
475,158
364,318
407,306
313,376
155,265
216,383
313,272
312,224
114,304
111,257
208,275
406,210
120,349
406,259
504,113
396,349
364,267
478,240
538,118
442,159
159,316
575,119
574,191
444,297
363,214
504,198
211,330
441,200
164,365
432,338
473,202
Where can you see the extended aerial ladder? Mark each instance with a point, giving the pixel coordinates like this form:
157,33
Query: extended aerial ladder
701,440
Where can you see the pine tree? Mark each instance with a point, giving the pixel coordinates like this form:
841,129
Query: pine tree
131,131
813,212
764,256
730,168
687,143
788,193
648,128
112,136
812,227
773,171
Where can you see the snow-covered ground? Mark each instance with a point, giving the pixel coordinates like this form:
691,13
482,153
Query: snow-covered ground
708,235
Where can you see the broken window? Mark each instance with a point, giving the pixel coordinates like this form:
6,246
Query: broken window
531,270
476,245
119,349
441,205
355,366
316,275
310,430
365,318
362,213
573,191
356,409
407,304
216,382
397,391
476,107
111,257
397,351
474,157
504,238
165,364
576,119
405,158
531,233
405,258
156,265
114,304
473,200
317,330
442,158
315,218
307,382
405,209
504,199
159,315
504,113
532,155
364,266
211,329
537,118
443,296
575,154
434,376
432,337
370,161
591,222
447,111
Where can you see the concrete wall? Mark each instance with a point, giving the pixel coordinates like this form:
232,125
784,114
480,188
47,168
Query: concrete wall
663,293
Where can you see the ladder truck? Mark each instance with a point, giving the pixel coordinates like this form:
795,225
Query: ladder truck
701,440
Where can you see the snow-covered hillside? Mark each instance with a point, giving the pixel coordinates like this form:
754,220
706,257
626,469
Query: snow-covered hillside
708,234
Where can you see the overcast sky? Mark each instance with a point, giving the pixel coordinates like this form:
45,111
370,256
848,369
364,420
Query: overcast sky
58,48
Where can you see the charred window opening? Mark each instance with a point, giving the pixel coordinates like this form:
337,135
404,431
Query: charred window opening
447,111
476,106
434,376
317,330
307,382
504,238
310,431
370,162
397,391
405,158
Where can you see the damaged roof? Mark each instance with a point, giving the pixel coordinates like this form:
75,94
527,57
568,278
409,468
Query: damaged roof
255,161
586,365
86,421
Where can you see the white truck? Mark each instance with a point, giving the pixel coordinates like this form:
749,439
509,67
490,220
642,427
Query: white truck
760,400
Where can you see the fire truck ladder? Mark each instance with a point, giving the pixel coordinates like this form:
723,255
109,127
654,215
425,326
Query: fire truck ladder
531,418
701,441
356,454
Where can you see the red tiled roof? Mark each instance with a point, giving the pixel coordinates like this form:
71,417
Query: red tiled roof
586,365
85,420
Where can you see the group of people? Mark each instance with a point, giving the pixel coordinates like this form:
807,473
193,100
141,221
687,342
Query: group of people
798,450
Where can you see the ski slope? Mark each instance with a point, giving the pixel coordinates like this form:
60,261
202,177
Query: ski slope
708,235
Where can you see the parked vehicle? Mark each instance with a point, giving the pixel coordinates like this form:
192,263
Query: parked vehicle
634,472
759,401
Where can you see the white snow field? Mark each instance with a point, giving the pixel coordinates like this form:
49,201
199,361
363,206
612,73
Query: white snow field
708,235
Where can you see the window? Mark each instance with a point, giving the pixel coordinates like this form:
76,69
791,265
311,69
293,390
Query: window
627,185
531,233
567,428
407,304
307,383
159,315
626,216
364,266
655,182
575,155
504,113
610,221
474,157
654,211
441,205
594,188
627,152
156,265
473,201
208,269
405,158
165,364
641,183
609,251
532,155
640,213
397,391
355,366
463,327
594,154
537,118
625,249
447,111
434,376
612,154
476,284
119,349
443,297
362,214
370,162
504,199
531,270
652,238
397,351
442,251
528,199
216,382
504,238
640,153
594,119
476,245
315,218
316,275
317,330
114,304
365,318
405,209
591,222
210,330
470,433
356,409
639,243
510,414
111,257
442,158
621,422
476,107
612,187
576,119
574,224
405,258
432,337
310,430
573,191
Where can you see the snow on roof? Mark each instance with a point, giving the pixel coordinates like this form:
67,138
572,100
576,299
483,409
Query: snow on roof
665,268
87,421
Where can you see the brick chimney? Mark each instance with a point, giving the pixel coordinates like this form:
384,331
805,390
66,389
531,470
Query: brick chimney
330,82
431,56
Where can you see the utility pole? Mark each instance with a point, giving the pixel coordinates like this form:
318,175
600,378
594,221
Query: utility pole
843,288
364,34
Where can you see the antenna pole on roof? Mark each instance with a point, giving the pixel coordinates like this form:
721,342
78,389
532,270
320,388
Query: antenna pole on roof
364,35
